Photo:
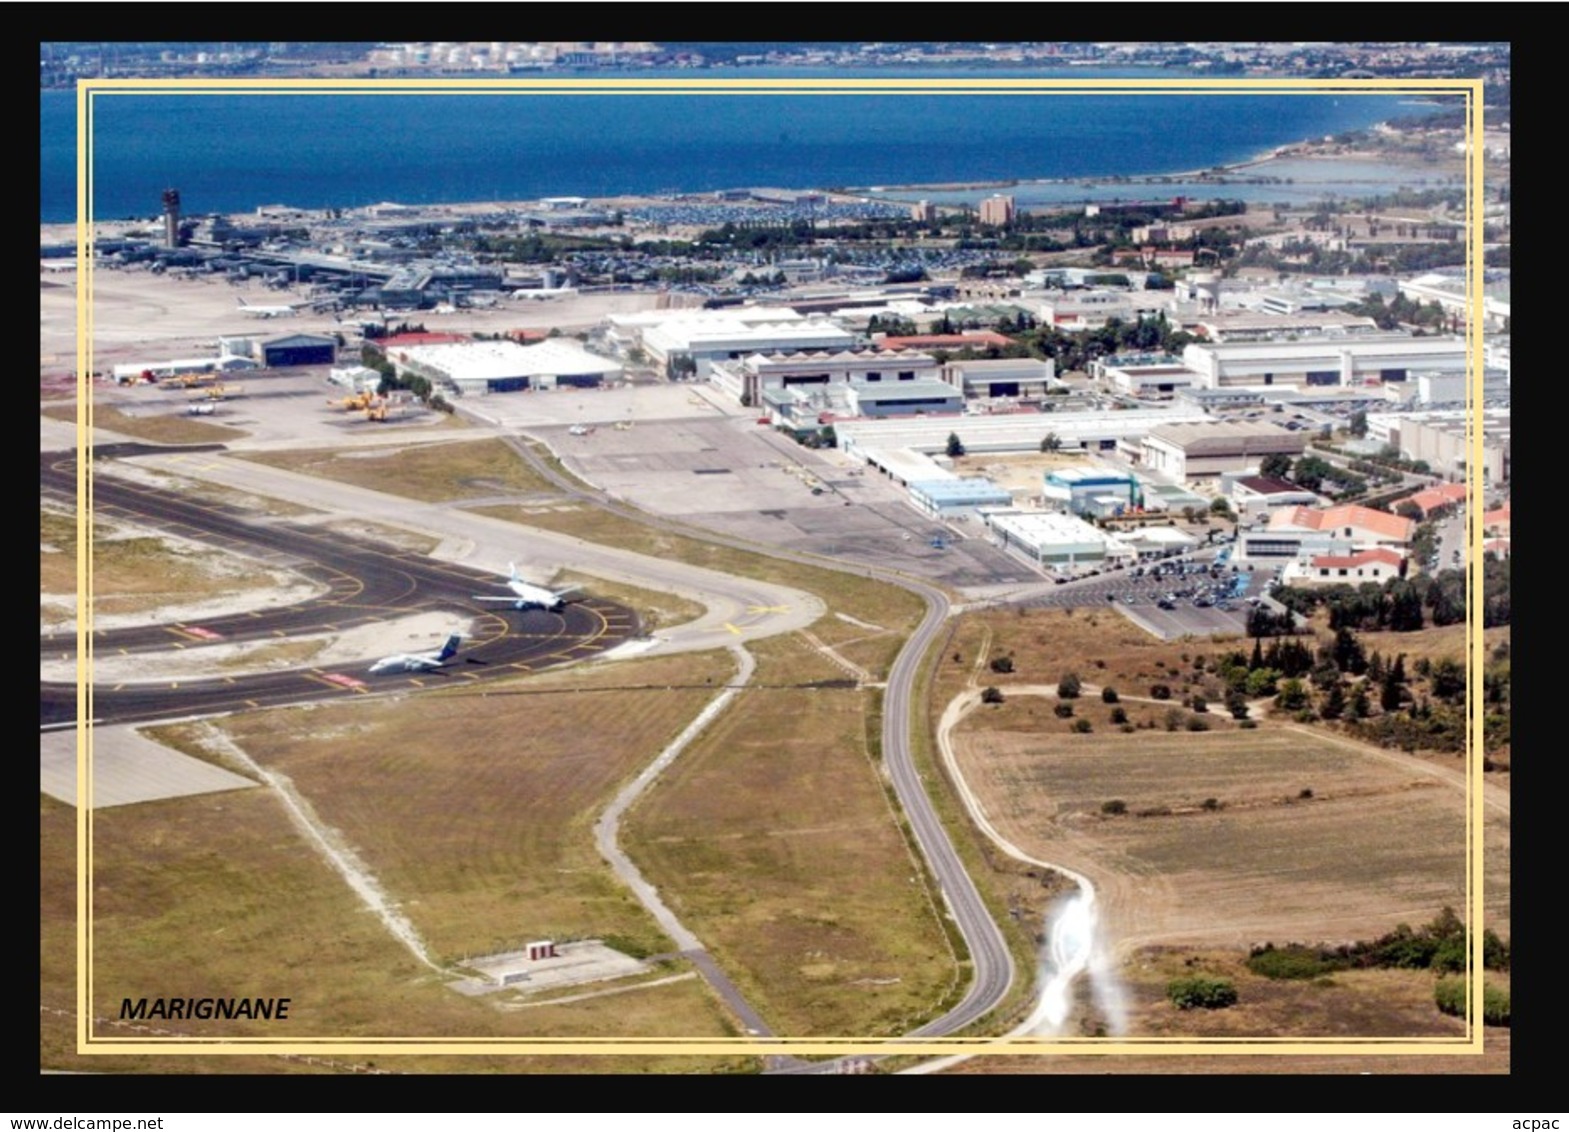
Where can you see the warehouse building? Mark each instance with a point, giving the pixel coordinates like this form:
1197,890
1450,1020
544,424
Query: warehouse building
1371,359
903,398
826,372
503,366
952,497
1002,377
1055,542
1186,452
1093,491
298,350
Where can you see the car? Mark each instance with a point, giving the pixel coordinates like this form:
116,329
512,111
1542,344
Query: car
1163,603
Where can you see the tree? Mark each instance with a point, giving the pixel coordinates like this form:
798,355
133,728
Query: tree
1051,442
955,445
992,695
1277,465
1108,695
1358,424
1068,687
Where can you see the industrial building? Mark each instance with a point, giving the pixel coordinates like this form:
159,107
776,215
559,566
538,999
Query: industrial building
1362,360
1185,452
952,497
298,350
1053,541
504,366
1013,432
1088,490
903,398
1439,437
825,372
1026,378
1145,375
1254,497
701,343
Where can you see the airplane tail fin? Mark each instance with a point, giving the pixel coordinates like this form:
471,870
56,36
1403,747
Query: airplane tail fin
449,649
241,300
512,569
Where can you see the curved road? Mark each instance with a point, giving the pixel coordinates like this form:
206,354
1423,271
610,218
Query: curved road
738,609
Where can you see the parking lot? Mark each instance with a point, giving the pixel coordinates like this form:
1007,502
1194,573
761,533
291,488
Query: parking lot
1178,597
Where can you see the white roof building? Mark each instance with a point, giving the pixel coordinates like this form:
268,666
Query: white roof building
503,366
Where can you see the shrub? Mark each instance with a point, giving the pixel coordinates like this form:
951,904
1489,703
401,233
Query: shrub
1211,804
1062,711
1108,695
1197,723
1127,729
1495,1006
1118,715
1003,664
1160,692
1081,726
1068,687
992,696
1115,806
1247,724
1198,702
1292,962
1201,992
1305,793
1450,996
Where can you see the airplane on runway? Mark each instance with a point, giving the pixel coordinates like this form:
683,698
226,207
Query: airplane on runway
419,661
530,596
281,310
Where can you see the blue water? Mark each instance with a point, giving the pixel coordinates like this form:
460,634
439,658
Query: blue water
233,152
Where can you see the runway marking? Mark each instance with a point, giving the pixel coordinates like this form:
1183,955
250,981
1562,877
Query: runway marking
338,679
196,631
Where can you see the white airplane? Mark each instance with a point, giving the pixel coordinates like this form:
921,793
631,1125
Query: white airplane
419,661
530,596
281,310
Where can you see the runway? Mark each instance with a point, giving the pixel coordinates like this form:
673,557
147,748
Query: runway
363,582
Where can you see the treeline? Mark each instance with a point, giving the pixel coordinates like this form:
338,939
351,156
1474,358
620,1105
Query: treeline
1404,605
1441,946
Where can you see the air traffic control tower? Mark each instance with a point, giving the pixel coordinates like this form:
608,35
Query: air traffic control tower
171,218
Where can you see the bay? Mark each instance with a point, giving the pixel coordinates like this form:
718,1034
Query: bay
230,152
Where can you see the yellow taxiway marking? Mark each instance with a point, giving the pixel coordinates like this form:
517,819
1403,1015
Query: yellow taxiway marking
732,628
768,609
252,703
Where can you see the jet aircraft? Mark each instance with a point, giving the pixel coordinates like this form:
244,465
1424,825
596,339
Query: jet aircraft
419,661
530,596
281,310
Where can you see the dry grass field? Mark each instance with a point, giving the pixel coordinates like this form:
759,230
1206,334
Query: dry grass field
1227,836
474,809
774,839
434,473
136,573
168,428
203,895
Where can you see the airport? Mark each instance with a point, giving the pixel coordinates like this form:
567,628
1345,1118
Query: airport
642,564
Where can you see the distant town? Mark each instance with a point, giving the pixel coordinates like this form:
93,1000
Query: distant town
62,63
